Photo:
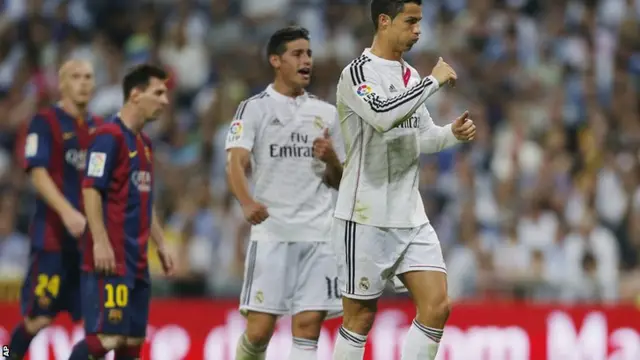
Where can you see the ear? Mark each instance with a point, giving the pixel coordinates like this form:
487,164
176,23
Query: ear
135,94
384,20
275,61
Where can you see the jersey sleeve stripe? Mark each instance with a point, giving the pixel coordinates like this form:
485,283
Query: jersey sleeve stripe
382,106
243,105
356,69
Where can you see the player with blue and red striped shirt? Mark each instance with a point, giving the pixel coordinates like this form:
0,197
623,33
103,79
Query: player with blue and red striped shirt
118,197
54,156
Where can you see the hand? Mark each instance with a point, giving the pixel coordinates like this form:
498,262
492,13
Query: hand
255,213
323,148
463,128
103,258
444,73
167,262
75,222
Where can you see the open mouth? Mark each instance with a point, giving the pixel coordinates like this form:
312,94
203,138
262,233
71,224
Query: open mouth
305,72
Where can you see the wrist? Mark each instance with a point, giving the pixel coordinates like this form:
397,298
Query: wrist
246,202
66,210
435,81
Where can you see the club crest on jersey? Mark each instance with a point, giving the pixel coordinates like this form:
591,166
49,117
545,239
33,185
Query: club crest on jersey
147,153
364,90
317,122
141,180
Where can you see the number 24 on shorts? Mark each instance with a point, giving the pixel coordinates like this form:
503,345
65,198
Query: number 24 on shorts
46,283
117,296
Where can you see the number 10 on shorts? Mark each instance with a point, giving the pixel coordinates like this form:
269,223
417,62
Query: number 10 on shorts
116,296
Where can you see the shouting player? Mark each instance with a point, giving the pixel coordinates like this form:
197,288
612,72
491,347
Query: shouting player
118,198
54,156
380,229
290,268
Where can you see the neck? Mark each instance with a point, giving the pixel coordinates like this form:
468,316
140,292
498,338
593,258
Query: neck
73,109
382,49
131,118
280,86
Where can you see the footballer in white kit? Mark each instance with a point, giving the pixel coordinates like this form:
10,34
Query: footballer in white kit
290,267
381,232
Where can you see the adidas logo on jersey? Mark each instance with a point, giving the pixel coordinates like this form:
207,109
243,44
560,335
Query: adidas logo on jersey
275,121
392,88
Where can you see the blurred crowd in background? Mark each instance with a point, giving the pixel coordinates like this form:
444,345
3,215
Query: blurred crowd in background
544,205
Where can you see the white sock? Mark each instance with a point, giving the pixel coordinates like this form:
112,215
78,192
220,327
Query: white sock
248,351
349,345
304,349
421,342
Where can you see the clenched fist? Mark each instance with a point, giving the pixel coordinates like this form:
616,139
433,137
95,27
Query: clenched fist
323,148
255,212
463,128
75,222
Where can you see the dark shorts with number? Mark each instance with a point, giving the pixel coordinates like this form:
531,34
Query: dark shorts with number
52,284
115,305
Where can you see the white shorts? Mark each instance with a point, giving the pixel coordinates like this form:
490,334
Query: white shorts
285,278
370,257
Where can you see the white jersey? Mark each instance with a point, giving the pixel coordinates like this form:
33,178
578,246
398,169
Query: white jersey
385,126
279,131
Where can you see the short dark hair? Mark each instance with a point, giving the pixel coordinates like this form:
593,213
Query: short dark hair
140,76
277,44
388,7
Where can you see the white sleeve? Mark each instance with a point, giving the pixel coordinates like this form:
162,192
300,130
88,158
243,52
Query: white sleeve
338,141
434,138
243,128
360,88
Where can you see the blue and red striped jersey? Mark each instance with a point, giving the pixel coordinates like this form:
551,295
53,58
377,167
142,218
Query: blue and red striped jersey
120,167
57,142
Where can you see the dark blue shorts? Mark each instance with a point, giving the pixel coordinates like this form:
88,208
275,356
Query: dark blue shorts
115,305
52,284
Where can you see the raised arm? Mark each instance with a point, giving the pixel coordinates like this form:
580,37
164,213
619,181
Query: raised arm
361,91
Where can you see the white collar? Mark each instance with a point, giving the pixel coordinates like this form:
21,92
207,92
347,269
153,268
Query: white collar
284,98
380,60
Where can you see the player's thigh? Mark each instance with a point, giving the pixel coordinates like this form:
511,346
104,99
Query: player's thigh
43,291
366,258
266,287
105,304
138,309
71,293
317,287
423,270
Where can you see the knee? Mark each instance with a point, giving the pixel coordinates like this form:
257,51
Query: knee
35,324
134,341
437,308
260,328
112,342
359,315
307,325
